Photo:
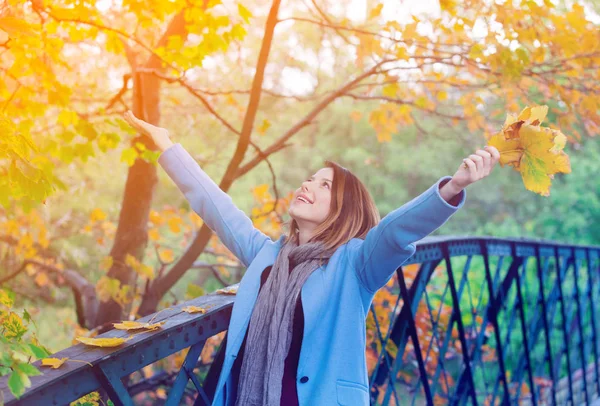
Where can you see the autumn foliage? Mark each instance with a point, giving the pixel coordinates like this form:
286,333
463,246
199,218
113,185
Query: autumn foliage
69,69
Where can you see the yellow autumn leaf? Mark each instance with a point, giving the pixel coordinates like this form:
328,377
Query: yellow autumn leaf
156,218
534,151
97,215
244,13
166,256
135,325
261,192
194,309
103,342
228,291
6,298
153,234
123,295
53,362
175,224
129,155
375,11
145,270
13,326
107,288
263,127
230,100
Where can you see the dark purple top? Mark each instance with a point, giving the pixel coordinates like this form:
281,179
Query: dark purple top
289,395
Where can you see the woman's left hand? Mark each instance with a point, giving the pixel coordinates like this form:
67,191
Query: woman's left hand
476,167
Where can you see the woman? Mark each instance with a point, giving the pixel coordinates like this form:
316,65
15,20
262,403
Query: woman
302,339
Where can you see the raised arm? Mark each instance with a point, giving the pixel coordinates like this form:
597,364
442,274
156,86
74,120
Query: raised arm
389,244
214,206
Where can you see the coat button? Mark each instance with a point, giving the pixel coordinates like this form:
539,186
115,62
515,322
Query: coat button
304,379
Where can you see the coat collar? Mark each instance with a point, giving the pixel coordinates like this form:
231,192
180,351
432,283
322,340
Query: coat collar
250,286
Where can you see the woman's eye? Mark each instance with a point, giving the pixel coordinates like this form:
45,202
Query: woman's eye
326,184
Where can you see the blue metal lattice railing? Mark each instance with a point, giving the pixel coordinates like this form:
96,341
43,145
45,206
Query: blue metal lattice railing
478,320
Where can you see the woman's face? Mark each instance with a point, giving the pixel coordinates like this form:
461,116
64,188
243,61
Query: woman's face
317,192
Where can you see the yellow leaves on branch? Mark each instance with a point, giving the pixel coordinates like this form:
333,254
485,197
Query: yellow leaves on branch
140,268
110,288
103,342
389,116
25,173
7,298
99,226
13,326
534,151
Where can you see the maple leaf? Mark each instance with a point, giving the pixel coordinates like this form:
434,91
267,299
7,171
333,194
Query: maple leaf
534,151
135,325
103,342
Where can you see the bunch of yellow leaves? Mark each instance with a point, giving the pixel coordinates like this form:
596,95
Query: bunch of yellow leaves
534,151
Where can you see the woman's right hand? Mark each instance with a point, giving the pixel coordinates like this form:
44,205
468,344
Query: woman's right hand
159,135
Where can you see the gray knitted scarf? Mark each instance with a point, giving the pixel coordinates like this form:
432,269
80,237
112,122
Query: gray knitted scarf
270,329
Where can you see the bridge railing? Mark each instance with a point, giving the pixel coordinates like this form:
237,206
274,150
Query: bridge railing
477,320
493,321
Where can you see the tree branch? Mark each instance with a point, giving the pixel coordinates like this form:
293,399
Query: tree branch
307,119
215,272
84,292
161,286
405,102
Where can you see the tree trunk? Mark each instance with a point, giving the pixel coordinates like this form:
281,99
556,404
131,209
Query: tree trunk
132,231
159,287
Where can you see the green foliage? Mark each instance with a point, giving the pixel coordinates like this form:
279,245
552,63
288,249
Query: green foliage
17,349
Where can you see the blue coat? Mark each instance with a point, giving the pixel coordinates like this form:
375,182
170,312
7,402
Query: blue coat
332,368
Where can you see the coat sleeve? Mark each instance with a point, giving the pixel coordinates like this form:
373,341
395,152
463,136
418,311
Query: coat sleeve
389,244
215,207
